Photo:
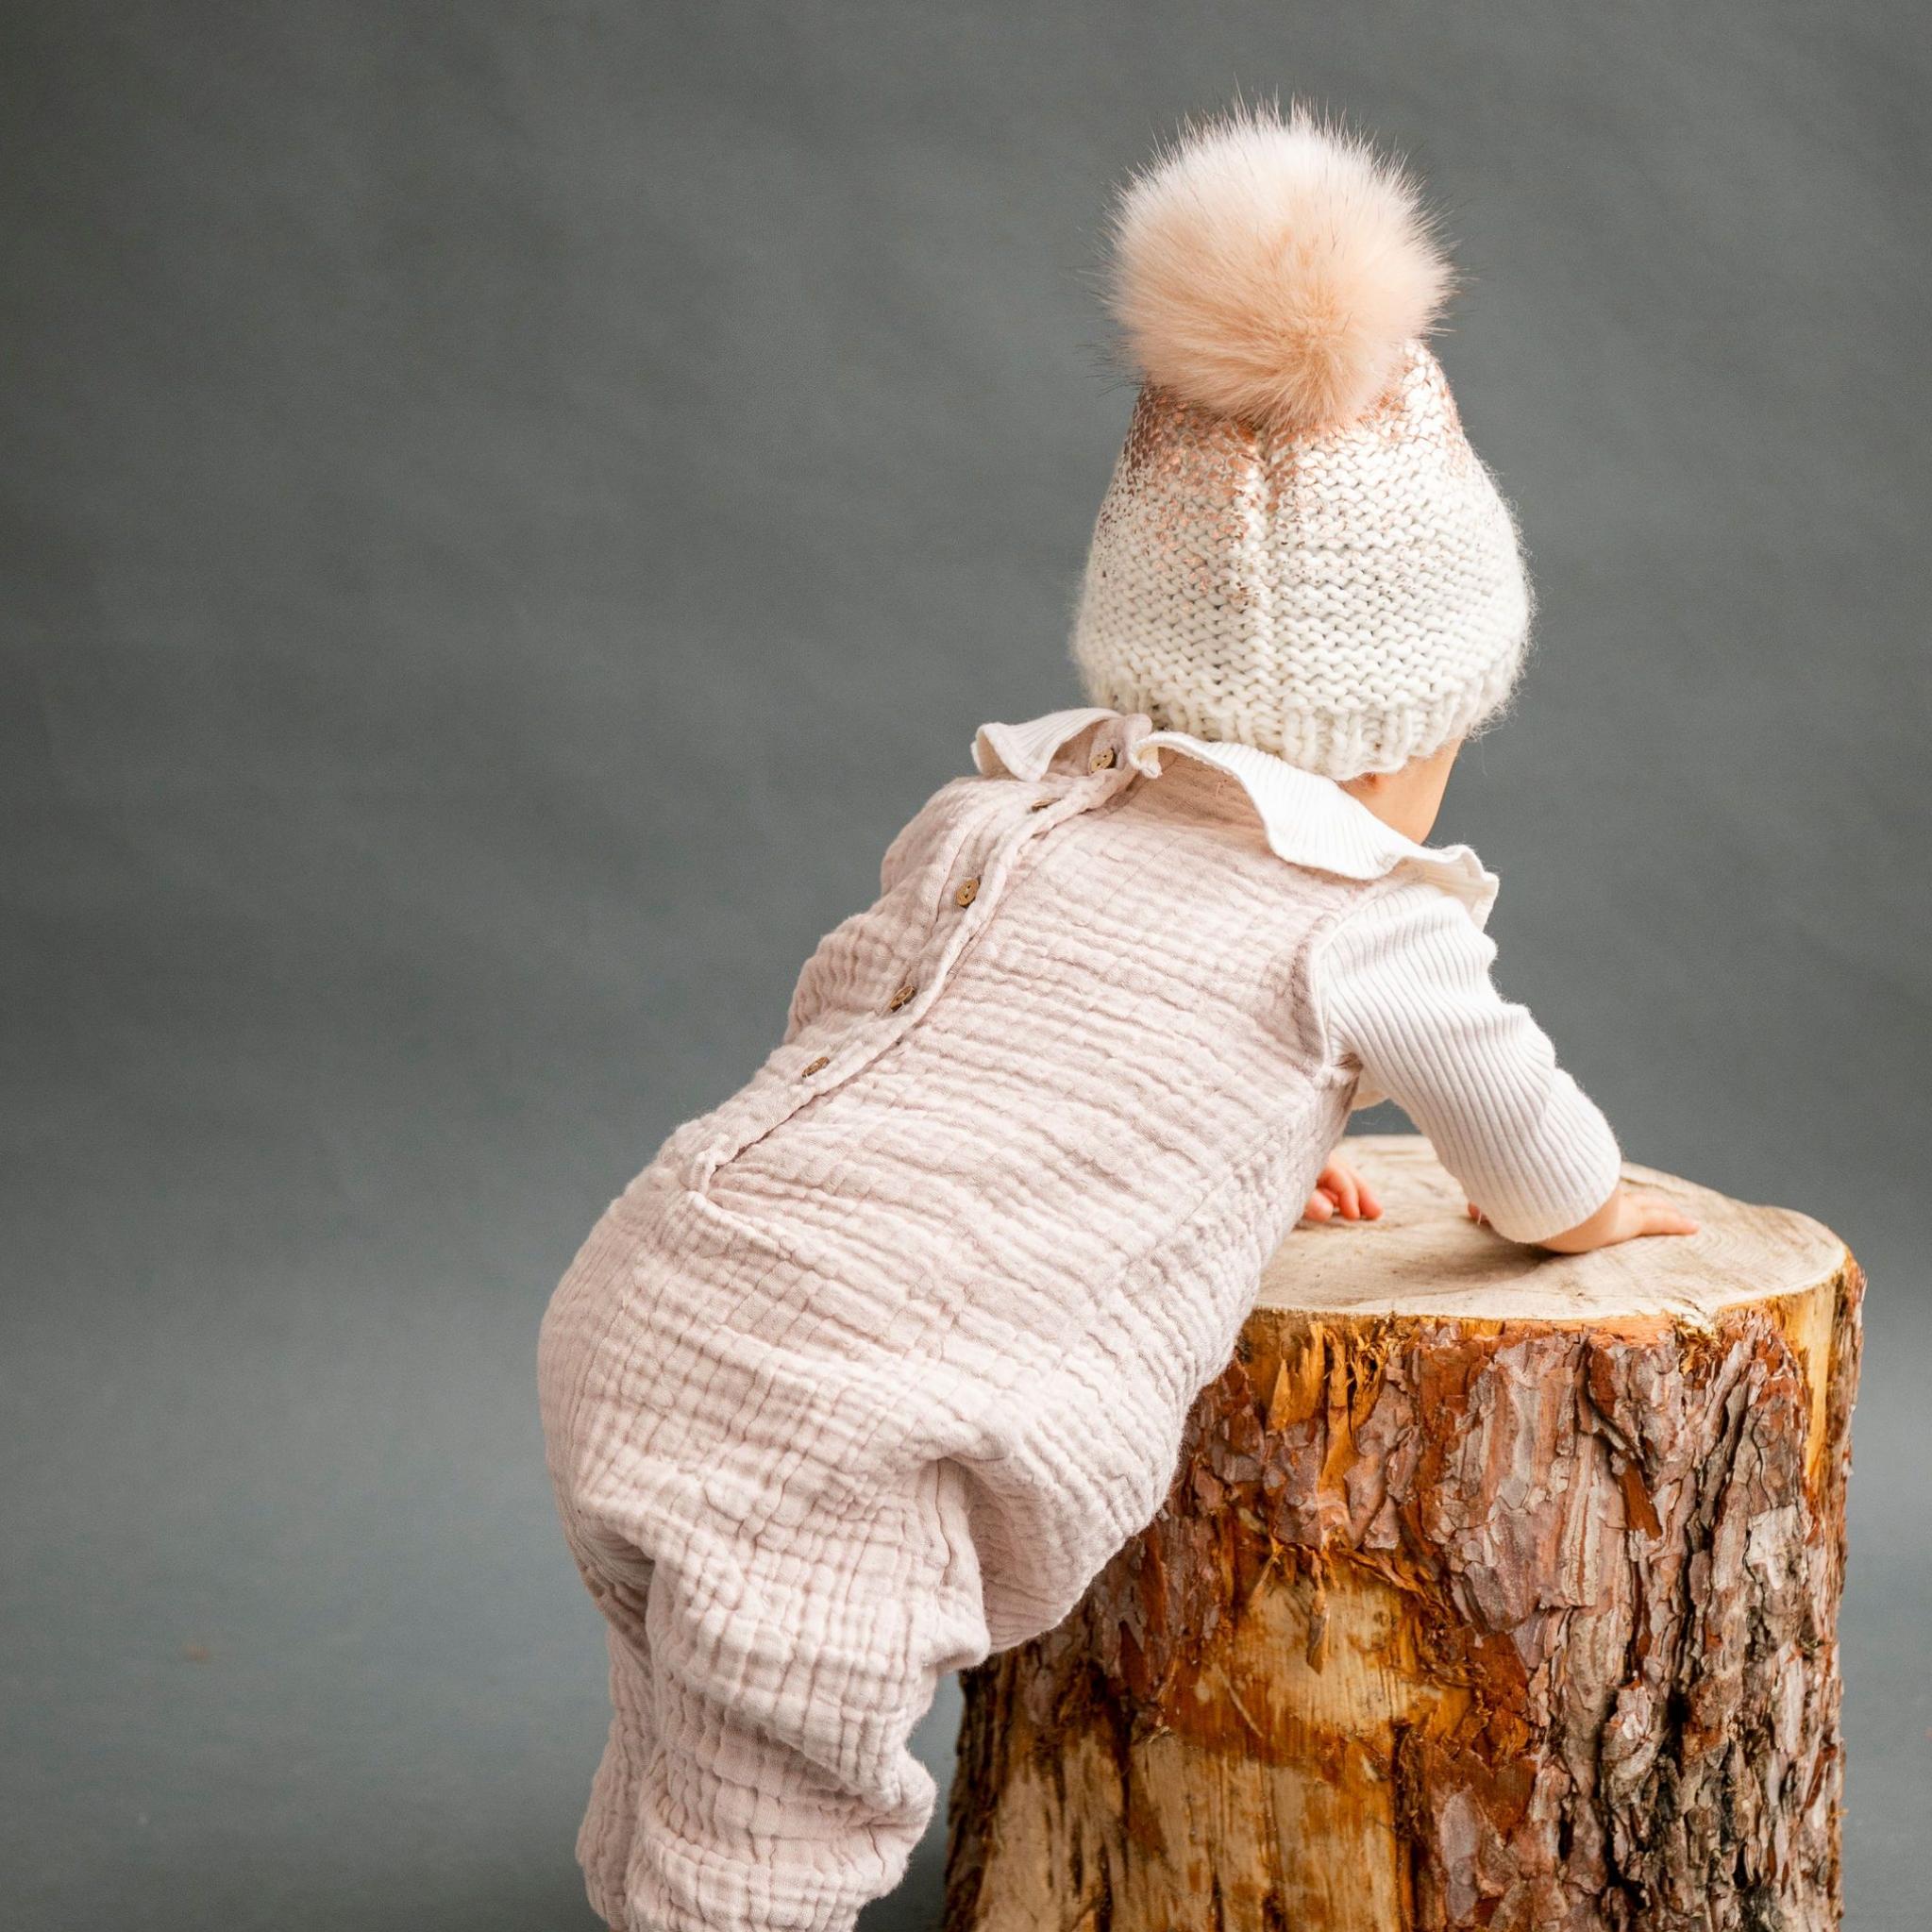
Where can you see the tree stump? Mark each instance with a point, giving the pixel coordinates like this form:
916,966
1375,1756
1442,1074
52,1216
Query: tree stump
1494,1589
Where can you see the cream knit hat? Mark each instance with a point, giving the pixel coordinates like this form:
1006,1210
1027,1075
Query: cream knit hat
1298,549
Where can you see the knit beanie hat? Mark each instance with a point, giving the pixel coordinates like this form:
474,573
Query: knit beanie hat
1298,549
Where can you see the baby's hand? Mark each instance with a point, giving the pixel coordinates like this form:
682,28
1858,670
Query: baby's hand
1339,1190
1624,1217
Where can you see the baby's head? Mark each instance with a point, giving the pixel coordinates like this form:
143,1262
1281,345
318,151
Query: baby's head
1298,549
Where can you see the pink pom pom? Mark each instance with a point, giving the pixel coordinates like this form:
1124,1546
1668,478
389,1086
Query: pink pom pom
1273,270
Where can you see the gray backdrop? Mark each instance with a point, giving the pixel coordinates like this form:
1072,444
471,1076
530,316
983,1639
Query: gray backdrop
508,507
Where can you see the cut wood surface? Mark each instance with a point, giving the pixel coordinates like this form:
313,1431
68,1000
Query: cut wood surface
1494,1589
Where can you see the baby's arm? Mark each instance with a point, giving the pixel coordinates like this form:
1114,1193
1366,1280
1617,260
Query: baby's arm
1404,987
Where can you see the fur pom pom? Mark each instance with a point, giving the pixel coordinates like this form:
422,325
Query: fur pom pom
1272,269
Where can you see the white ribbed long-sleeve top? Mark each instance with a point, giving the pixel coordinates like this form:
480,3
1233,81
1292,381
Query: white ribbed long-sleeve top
1406,988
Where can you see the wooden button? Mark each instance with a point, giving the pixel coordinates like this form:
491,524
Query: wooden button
967,893
902,996
818,1066
1101,760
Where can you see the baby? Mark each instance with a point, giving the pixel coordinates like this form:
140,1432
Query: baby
873,1366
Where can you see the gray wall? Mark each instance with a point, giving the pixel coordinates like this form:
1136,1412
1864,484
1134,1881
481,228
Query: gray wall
508,507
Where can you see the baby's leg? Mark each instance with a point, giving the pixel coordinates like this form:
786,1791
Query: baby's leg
758,1774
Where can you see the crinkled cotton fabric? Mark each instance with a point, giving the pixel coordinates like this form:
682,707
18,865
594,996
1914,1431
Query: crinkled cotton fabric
876,1364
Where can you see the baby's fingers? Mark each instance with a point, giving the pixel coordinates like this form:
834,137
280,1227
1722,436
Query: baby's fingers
1342,1188
1346,1193
1320,1208
1655,1217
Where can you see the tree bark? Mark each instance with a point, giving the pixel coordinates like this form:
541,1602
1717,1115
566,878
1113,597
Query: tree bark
1493,1589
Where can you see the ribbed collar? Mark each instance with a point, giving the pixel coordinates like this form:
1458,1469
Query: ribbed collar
1308,821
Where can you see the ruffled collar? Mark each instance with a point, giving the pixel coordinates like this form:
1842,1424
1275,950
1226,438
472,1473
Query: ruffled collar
1308,821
